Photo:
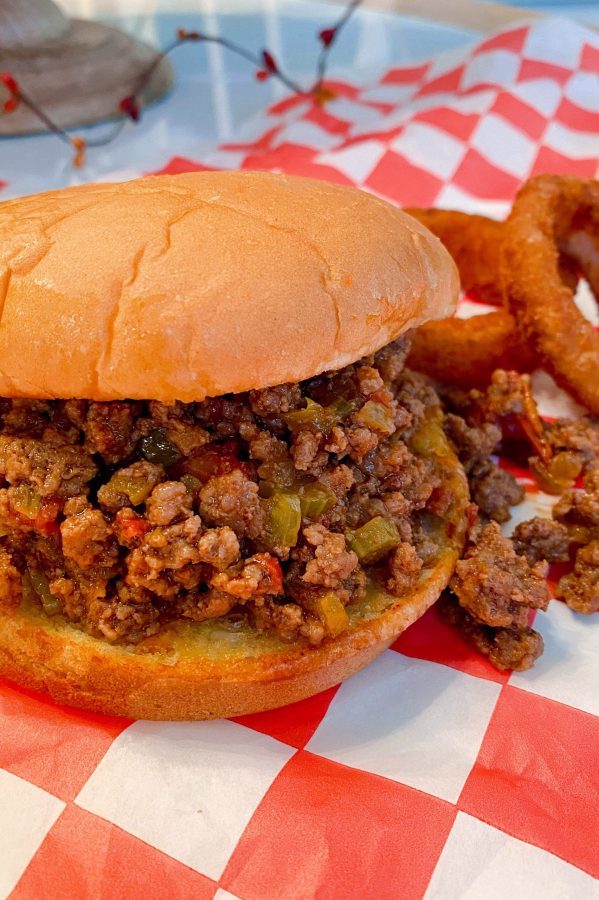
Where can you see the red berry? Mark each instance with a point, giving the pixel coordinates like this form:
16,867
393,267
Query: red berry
269,62
9,83
327,36
130,107
262,75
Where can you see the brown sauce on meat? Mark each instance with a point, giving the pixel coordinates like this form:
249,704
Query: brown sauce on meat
273,506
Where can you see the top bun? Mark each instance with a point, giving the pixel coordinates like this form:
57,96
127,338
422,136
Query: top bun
179,287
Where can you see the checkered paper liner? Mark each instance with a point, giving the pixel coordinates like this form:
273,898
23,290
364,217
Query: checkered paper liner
429,773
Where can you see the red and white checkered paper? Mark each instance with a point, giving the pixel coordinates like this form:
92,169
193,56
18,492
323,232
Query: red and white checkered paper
429,773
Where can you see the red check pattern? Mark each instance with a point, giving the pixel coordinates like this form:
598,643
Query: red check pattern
430,771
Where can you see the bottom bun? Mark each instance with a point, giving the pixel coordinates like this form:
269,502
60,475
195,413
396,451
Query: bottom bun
222,668
203,675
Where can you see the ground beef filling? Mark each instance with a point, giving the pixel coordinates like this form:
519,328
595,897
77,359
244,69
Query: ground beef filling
274,505
493,590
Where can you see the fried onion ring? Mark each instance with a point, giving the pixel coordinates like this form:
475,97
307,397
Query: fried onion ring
475,244
547,211
466,352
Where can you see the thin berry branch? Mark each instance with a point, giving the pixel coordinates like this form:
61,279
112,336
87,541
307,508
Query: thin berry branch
128,107
328,36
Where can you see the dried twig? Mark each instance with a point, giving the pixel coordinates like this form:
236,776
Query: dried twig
128,108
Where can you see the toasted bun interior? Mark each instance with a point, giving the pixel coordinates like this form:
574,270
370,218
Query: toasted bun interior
186,286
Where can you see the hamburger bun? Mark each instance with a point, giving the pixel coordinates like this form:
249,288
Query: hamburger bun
187,286
192,286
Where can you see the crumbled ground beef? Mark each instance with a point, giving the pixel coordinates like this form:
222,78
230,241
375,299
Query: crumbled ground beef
88,539
233,500
494,490
539,539
495,585
332,562
219,547
580,435
474,445
209,605
109,430
580,588
404,569
168,501
505,648
305,449
509,405
10,581
52,471
580,507
135,513
498,581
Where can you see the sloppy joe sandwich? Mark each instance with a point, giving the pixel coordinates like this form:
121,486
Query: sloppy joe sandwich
222,490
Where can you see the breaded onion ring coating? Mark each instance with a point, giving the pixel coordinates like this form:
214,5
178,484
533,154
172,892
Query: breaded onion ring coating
548,210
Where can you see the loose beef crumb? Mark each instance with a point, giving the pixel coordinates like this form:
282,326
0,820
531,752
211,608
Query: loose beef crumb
495,585
109,430
404,567
305,447
474,445
52,471
332,562
369,380
165,552
128,615
209,605
219,547
580,588
390,361
361,442
539,539
494,490
88,539
258,575
416,394
168,501
233,500
285,619
10,581
580,507
505,648
276,401
28,417
267,448
580,435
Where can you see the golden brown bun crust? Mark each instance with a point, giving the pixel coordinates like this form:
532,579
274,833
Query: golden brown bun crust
186,286
79,670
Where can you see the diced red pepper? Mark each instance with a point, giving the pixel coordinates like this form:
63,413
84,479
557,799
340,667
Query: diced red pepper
273,569
133,529
45,521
